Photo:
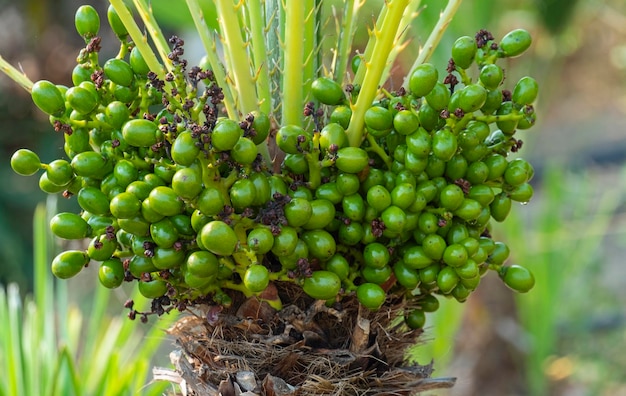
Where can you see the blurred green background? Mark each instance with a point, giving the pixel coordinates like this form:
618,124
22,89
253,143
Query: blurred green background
563,338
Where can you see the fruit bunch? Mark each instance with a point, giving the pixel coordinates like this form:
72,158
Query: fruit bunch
183,200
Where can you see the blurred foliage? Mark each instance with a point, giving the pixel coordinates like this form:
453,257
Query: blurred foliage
50,346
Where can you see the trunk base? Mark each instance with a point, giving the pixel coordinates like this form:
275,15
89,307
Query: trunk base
307,349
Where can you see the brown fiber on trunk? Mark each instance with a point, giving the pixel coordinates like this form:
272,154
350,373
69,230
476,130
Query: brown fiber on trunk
304,349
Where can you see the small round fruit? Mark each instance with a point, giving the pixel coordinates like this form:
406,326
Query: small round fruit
327,91
118,71
405,122
444,144
423,79
517,278
81,99
339,265
210,201
244,152
322,285
125,205
101,248
292,139
116,23
187,182
416,319
202,264
491,76
111,273
298,212
379,119
333,134
515,42
256,278
376,255
165,201
321,244
154,288
260,240
525,91
371,296
87,21
464,51
407,277
48,98
69,263
394,219
261,125
226,134
351,159
138,63
140,132
185,149
25,162
219,238
69,226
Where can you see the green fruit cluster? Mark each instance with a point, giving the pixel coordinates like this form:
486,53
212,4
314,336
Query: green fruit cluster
177,198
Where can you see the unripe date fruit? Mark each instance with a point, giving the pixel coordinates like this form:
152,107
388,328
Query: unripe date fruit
515,42
351,159
256,278
525,91
69,226
371,296
225,134
219,238
111,273
327,91
87,21
464,51
25,162
69,263
119,72
48,98
517,278
140,133
292,139
423,79
322,285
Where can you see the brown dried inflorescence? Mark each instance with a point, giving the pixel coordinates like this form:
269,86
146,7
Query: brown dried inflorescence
306,348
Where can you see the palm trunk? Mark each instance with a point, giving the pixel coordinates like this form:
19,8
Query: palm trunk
306,348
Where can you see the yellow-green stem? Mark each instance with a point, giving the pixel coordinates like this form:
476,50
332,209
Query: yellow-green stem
237,56
141,42
259,55
15,75
374,67
309,50
346,35
155,32
292,88
369,48
435,36
209,47
410,13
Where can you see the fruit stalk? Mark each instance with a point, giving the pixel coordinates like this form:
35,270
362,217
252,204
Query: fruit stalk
155,32
346,36
375,66
236,56
256,23
293,54
435,36
15,75
211,53
138,38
